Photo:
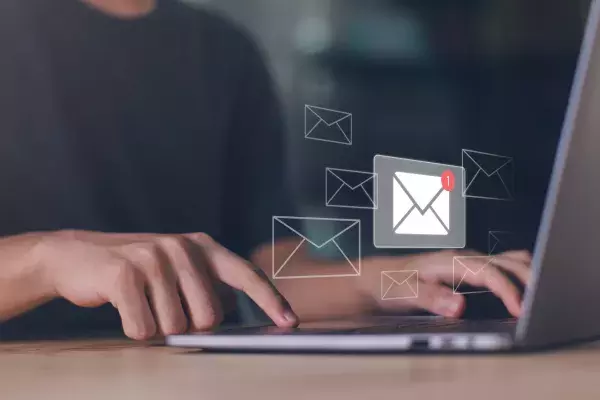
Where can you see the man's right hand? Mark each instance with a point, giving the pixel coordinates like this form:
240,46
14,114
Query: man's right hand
149,278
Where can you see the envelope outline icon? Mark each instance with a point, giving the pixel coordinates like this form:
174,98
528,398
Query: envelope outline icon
389,281
331,122
460,271
337,183
421,206
499,163
495,240
354,266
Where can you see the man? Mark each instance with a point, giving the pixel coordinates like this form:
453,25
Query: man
148,116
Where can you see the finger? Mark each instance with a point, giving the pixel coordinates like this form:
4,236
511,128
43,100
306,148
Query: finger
433,297
515,266
237,273
127,293
162,287
107,239
488,276
494,280
518,255
440,300
196,284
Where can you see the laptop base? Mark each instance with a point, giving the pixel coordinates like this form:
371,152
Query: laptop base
392,335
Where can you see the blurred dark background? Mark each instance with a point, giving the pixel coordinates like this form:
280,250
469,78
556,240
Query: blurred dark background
424,79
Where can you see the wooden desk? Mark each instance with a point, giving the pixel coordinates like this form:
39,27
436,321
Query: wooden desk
112,370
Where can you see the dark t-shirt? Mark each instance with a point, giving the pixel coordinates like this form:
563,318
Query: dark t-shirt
165,123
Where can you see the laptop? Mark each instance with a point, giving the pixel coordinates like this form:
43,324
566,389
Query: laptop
565,286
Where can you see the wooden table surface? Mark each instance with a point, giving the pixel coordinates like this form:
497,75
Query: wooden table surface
125,370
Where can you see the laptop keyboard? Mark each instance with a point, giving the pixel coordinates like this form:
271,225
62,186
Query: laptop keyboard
393,326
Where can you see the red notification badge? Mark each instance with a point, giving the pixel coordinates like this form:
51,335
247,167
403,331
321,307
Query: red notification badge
448,180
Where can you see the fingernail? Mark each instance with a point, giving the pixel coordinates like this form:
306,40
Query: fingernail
448,306
290,316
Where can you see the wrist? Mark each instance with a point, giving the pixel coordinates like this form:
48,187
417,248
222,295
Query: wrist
39,266
24,278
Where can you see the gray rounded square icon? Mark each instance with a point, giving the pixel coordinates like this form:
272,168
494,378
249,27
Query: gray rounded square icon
421,204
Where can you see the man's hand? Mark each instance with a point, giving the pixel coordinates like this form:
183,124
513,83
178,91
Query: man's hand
149,278
435,280
318,299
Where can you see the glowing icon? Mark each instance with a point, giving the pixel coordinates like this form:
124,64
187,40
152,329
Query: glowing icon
488,176
420,204
399,285
350,189
326,125
468,268
500,242
340,238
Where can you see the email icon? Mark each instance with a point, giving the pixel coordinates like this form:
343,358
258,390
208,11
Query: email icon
499,242
350,189
467,267
326,125
419,204
338,239
488,176
399,285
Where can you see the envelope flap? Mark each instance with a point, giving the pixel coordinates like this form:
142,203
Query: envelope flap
399,277
423,189
352,179
494,238
474,264
330,117
501,235
488,163
317,231
500,240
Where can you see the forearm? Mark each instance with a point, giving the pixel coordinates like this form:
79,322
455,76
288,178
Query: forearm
23,284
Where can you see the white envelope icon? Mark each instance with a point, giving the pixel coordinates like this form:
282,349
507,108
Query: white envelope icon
350,189
342,239
488,176
399,285
463,267
421,206
327,125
